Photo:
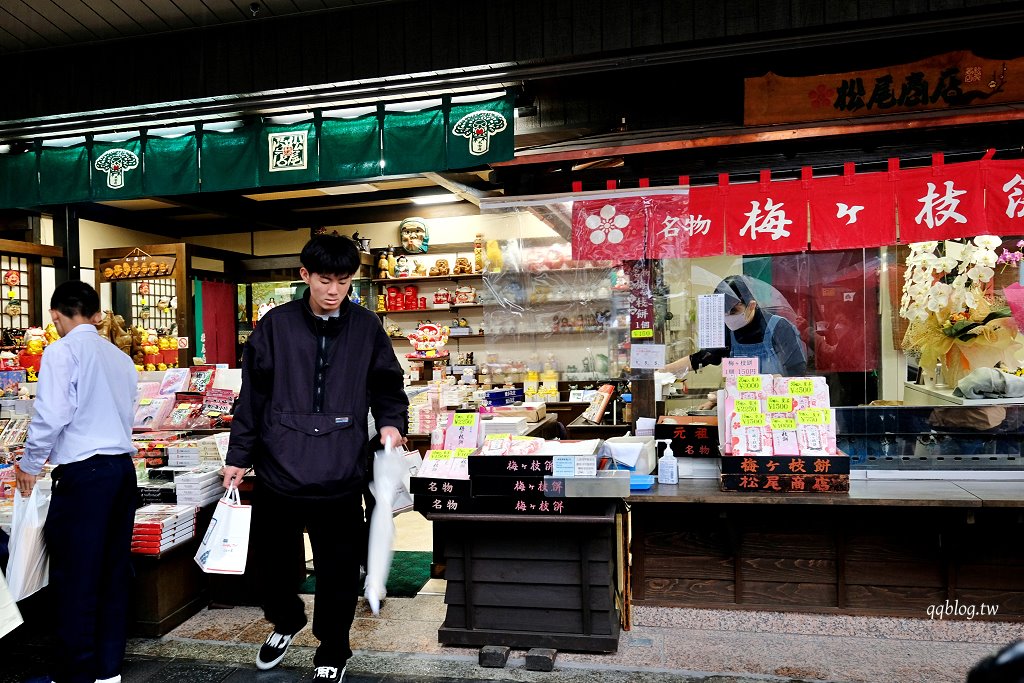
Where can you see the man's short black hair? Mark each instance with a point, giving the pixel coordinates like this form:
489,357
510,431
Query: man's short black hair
330,255
75,297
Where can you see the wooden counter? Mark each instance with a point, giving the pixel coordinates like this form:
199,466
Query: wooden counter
888,548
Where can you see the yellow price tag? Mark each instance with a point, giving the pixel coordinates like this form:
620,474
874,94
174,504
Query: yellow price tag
748,382
748,405
213,413
752,419
464,419
642,334
145,401
801,387
440,454
780,404
495,437
784,423
810,416
463,452
183,406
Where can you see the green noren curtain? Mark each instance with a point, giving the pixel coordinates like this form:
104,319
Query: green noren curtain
64,174
171,165
481,133
116,169
350,148
228,159
288,154
414,141
19,179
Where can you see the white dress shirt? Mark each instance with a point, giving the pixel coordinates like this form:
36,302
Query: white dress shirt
84,401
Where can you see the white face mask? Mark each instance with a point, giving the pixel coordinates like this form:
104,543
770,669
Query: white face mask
735,321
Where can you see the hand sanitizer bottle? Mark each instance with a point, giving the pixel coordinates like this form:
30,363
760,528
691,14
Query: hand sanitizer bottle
668,468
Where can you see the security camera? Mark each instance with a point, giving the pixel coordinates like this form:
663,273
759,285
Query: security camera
254,7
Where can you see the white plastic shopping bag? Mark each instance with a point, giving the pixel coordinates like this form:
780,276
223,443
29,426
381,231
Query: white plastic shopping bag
28,568
10,617
225,546
392,470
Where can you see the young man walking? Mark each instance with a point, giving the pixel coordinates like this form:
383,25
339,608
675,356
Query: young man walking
83,426
311,371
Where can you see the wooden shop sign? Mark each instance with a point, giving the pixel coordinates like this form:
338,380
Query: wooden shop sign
787,483
786,464
955,79
137,264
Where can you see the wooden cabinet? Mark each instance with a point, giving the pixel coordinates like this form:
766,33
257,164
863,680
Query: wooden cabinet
531,581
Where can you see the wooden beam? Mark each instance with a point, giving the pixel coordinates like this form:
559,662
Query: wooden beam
693,140
28,248
461,190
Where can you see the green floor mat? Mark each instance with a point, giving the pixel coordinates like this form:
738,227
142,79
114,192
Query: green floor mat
409,571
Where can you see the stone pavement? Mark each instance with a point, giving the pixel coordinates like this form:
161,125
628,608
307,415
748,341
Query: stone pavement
665,644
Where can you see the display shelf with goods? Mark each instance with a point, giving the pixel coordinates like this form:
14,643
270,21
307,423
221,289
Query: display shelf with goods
545,307
181,294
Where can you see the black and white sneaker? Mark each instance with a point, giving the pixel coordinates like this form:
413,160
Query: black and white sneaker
328,674
273,650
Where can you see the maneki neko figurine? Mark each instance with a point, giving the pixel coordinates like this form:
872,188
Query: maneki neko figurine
31,357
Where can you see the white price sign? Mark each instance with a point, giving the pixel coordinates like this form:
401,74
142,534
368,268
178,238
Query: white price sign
711,321
646,356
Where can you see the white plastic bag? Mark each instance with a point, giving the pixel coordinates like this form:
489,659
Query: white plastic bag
225,546
392,470
10,617
28,569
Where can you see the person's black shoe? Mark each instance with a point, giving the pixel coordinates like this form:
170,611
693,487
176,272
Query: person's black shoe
273,650
328,674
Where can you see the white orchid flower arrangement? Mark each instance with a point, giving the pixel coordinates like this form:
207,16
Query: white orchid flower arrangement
951,283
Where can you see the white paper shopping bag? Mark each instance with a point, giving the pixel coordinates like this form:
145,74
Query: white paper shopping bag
28,568
10,617
226,544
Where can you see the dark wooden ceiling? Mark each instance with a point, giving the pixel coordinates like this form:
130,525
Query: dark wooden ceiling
40,24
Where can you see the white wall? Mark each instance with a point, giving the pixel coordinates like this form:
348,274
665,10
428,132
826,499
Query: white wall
94,236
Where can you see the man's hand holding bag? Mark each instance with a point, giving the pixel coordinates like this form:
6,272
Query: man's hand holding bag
225,545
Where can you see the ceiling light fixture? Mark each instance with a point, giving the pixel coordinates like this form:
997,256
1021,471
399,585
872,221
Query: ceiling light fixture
447,198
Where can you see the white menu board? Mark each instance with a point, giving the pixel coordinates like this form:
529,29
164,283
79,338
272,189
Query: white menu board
711,321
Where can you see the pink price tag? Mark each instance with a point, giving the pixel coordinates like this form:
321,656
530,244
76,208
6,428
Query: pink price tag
735,367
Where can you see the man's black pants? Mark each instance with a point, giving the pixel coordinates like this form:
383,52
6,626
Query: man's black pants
336,534
88,535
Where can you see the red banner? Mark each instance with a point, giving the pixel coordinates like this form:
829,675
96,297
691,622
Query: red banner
609,229
853,212
941,202
766,218
1004,196
687,227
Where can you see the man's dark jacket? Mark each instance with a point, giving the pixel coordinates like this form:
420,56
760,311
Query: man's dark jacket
307,387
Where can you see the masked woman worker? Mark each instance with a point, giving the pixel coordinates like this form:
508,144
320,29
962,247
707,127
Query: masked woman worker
752,332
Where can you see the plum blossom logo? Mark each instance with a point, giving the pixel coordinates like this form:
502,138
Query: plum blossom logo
820,96
607,225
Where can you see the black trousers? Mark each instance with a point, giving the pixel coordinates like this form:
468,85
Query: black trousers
336,534
88,535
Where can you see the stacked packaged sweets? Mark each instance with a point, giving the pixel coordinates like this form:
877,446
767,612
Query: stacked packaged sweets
781,437
158,528
199,487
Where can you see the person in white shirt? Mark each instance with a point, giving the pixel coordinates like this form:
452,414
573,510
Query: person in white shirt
82,427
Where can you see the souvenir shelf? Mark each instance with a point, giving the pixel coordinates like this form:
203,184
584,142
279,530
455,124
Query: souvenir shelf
20,269
146,280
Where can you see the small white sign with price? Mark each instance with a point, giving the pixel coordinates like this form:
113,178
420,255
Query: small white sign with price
711,321
646,356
